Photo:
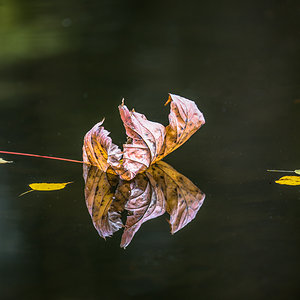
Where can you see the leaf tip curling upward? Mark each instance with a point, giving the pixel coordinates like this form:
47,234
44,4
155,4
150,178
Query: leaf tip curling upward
169,100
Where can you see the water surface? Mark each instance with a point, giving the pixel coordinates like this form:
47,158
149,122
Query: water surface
64,66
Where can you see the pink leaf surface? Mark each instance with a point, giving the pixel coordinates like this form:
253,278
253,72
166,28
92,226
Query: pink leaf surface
147,141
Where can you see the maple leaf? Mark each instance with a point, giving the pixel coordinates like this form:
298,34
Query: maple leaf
147,141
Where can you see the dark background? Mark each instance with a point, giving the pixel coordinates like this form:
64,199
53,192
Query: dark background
64,65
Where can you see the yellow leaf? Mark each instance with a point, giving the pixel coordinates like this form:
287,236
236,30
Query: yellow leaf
45,187
48,186
297,172
289,180
2,161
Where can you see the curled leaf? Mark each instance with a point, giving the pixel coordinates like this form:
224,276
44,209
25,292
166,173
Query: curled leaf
147,142
289,180
185,119
99,150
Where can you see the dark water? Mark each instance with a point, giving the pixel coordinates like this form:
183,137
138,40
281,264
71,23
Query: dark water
64,65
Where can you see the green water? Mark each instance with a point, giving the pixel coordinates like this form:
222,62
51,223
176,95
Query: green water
64,65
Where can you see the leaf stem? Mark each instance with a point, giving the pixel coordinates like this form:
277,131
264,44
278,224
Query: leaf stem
25,193
43,156
281,171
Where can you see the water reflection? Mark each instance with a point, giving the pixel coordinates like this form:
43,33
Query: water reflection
149,195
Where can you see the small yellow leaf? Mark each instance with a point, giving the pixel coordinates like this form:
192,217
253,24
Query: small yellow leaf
297,172
46,187
2,161
289,180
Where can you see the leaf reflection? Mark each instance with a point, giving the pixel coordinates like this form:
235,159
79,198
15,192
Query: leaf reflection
149,195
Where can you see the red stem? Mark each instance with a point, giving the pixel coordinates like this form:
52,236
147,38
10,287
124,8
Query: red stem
43,156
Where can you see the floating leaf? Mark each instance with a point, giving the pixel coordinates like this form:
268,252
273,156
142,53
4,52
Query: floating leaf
147,142
289,180
2,161
46,187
